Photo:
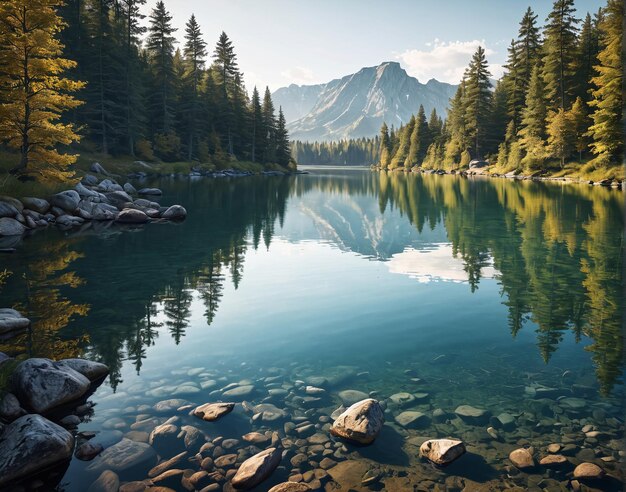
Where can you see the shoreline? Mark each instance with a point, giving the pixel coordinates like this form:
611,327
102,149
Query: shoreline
605,183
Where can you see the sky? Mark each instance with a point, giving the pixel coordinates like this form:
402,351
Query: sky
280,42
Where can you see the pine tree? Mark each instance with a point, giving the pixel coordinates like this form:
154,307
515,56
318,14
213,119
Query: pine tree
419,141
580,122
405,142
477,101
586,58
283,149
160,47
195,57
607,131
34,93
560,54
226,70
269,127
529,46
258,140
385,147
515,86
533,124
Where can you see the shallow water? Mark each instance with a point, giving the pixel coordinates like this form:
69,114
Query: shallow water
507,296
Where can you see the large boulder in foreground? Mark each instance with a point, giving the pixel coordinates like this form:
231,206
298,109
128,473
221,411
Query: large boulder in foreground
31,444
442,451
41,384
361,422
257,468
11,227
88,368
66,200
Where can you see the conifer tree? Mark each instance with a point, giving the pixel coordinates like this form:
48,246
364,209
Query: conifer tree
560,54
258,140
580,121
607,130
477,101
385,147
419,140
529,47
283,149
226,70
533,124
269,127
34,92
405,142
160,48
561,135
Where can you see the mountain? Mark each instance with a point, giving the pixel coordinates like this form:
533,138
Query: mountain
356,105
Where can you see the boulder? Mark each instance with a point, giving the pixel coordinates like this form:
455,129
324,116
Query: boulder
88,368
41,384
104,211
290,487
442,451
175,212
588,471
10,407
124,456
97,168
37,204
522,458
108,481
132,216
11,227
108,185
411,419
361,422
8,210
66,200
213,411
553,461
69,220
12,320
150,191
83,191
89,180
30,444
472,415
130,189
164,437
256,469
143,203
118,199
14,202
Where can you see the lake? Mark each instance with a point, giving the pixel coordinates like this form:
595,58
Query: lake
499,294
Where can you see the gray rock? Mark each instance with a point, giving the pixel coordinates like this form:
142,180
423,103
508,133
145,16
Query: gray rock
124,456
37,204
132,216
41,384
97,168
83,191
90,180
119,199
472,415
175,212
142,202
88,368
108,185
108,481
361,422
150,191
11,227
12,320
256,469
29,444
349,397
10,407
239,392
411,419
104,211
66,200
442,451
14,202
8,210
69,220
130,189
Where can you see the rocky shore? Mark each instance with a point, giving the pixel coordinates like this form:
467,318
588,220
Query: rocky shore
291,431
483,171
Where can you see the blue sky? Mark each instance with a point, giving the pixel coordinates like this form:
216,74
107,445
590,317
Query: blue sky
279,42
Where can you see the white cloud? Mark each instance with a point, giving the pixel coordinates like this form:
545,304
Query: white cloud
298,75
445,61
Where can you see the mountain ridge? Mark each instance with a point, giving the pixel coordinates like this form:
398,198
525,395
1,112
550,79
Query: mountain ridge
356,105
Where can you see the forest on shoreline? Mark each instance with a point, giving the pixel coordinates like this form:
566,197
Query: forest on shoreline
557,109
87,76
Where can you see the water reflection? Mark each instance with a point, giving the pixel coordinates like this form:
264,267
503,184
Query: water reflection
556,253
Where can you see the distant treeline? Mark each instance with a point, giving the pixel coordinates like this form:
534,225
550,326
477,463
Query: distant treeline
90,69
560,99
348,152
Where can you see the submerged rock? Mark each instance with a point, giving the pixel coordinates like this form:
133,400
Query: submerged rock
290,487
30,444
349,397
442,451
553,461
256,469
471,415
589,471
123,456
522,458
411,419
108,481
150,191
361,422
41,384
213,411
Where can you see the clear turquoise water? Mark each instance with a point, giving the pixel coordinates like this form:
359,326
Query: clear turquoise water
485,290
